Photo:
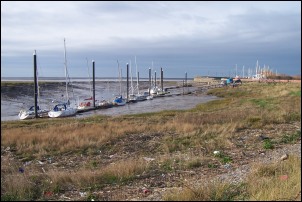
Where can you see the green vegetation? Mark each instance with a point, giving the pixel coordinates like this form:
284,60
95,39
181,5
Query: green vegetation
268,144
224,158
291,138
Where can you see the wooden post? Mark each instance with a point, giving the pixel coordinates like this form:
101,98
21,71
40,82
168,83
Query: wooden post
162,79
127,90
93,82
150,82
36,85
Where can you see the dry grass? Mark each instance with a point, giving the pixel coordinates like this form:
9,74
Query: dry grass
213,191
280,181
275,182
175,139
32,184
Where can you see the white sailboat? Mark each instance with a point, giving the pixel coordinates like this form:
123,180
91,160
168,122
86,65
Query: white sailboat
119,100
139,96
87,103
132,97
30,113
154,89
63,109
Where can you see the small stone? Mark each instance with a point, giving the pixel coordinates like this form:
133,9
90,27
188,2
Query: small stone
284,157
21,170
263,137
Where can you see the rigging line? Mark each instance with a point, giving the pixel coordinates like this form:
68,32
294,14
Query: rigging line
89,76
70,84
67,74
37,75
136,77
119,75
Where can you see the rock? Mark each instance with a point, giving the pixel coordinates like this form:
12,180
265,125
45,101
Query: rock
263,137
21,170
40,162
284,157
148,159
227,166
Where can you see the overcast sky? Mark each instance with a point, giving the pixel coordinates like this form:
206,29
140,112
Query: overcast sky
200,38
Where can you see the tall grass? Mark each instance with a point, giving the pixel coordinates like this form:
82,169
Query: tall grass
31,184
279,181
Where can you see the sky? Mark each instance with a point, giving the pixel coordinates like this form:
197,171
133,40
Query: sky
202,38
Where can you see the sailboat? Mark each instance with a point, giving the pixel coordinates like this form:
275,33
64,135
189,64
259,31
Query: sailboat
139,96
132,96
30,113
119,100
87,103
63,109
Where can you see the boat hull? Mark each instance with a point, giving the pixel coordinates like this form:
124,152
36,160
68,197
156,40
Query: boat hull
31,114
62,113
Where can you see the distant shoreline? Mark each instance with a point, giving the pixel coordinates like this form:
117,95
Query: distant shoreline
59,79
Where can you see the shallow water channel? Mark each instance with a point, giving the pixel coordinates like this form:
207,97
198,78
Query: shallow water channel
12,104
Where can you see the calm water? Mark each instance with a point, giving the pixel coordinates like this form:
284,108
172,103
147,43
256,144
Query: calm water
107,90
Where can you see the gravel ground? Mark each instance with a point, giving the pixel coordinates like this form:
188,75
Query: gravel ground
232,174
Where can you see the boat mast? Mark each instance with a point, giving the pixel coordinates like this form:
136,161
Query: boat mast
131,78
119,76
66,71
136,76
89,77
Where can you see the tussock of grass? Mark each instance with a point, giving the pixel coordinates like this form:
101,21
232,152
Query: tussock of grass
213,191
31,185
265,183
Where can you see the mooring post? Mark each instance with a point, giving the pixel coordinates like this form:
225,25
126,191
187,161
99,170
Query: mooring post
162,79
150,82
127,82
93,82
36,85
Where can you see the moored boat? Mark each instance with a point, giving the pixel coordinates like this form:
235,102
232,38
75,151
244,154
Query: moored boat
119,101
30,113
62,110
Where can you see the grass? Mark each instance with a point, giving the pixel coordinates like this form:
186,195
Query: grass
265,183
104,151
268,144
291,138
224,158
